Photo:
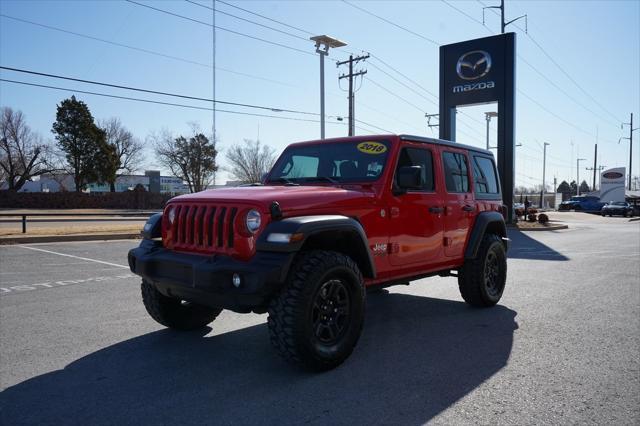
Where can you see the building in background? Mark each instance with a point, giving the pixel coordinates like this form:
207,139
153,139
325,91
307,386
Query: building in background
151,181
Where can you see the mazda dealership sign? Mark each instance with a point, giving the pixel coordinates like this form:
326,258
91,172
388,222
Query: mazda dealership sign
476,72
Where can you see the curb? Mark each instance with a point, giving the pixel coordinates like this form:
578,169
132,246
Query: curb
66,238
548,228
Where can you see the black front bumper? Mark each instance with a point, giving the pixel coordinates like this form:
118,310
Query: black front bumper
207,280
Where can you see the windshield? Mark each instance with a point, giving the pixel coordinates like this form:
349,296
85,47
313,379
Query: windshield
331,162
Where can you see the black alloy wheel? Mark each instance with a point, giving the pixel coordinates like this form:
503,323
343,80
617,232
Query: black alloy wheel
492,280
330,312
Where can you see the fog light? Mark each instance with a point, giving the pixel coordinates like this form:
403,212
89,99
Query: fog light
236,280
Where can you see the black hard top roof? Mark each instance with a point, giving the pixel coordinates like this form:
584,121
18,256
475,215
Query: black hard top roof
424,139
413,138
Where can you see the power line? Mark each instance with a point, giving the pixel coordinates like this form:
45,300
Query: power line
423,37
396,95
466,14
217,27
391,23
540,73
371,125
266,17
405,76
155,92
104,94
564,92
139,49
161,103
147,51
580,129
403,84
246,20
560,68
571,78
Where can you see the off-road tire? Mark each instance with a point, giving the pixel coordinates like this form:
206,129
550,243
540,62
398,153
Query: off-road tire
174,313
294,311
482,280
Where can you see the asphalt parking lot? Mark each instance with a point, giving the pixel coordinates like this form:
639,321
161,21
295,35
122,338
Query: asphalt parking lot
563,346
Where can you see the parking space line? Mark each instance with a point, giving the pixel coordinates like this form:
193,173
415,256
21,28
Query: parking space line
75,257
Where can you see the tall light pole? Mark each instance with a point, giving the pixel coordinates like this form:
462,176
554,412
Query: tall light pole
578,160
323,43
488,116
544,171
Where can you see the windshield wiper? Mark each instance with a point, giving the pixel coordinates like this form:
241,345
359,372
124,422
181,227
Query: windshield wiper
286,181
325,178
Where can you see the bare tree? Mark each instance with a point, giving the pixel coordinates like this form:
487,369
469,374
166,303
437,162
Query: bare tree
128,149
192,159
23,154
250,161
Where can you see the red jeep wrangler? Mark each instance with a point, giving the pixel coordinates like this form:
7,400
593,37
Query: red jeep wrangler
331,219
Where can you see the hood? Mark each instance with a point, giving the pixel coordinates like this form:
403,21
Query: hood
290,198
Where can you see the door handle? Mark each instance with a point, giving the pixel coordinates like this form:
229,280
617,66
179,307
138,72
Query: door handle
436,210
468,208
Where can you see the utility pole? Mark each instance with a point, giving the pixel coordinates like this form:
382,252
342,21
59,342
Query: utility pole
544,171
504,24
429,117
578,160
597,170
630,138
595,166
350,76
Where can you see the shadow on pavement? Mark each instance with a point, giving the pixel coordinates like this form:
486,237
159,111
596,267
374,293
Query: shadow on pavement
525,247
416,357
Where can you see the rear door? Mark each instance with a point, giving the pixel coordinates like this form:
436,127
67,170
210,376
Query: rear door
416,216
460,209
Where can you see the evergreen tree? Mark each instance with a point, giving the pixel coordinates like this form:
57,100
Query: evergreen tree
82,142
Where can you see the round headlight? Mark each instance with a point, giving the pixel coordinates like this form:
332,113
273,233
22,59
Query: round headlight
171,215
253,220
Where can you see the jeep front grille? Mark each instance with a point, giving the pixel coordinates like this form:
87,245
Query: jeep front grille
202,228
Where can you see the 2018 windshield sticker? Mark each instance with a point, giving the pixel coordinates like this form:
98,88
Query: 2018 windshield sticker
372,147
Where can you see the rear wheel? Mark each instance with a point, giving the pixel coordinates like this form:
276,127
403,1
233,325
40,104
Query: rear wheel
317,318
482,280
175,313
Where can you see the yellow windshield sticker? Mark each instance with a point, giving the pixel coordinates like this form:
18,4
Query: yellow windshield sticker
372,147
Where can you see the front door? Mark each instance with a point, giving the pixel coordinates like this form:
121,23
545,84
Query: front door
416,216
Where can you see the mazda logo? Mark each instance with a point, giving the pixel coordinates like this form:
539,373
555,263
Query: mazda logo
612,175
473,65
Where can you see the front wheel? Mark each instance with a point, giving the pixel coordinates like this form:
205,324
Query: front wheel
482,280
317,318
175,313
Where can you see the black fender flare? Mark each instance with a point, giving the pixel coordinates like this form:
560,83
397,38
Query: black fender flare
310,226
152,228
493,221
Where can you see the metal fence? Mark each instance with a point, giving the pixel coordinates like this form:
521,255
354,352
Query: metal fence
55,217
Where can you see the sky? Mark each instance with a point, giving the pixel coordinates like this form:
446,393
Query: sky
577,71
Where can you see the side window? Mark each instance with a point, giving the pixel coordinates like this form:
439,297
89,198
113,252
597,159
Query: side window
484,176
418,157
455,172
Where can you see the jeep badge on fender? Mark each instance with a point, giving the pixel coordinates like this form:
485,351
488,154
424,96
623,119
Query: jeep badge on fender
307,243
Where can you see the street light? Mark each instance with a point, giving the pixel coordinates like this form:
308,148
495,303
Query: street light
544,171
578,160
323,43
488,116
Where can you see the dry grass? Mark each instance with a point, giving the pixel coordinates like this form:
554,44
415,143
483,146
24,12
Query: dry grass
69,230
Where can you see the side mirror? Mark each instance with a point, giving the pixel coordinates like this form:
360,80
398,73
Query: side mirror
409,177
